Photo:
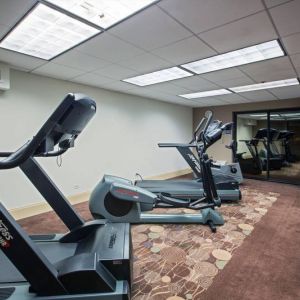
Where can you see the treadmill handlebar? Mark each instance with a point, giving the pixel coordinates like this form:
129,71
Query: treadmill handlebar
17,158
196,132
62,128
209,117
173,145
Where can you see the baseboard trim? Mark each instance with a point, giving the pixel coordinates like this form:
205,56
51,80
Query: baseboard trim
42,207
171,174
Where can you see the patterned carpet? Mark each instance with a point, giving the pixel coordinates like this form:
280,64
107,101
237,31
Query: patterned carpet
177,262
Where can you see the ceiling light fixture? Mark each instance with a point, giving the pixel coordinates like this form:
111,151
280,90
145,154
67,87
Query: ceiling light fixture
45,33
158,76
258,115
235,58
103,13
265,85
206,94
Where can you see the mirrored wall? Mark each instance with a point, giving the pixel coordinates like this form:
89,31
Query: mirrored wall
268,144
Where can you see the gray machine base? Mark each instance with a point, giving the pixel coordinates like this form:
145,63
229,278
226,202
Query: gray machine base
225,170
190,189
20,292
198,218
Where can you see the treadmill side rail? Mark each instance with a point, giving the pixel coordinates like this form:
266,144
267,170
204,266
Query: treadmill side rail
12,239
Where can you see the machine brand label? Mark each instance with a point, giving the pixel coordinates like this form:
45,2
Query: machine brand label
5,235
195,161
112,240
128,192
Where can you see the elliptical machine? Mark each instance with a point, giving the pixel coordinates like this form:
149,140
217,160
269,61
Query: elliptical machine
119,200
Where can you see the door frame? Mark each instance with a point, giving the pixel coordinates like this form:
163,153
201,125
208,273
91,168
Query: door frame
268,112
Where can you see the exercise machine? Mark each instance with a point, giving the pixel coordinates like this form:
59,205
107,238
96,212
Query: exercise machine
250,164
92,260
275,159
228,190
222,173
285,137
119,200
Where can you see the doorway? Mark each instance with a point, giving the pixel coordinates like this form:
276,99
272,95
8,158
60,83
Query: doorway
268,144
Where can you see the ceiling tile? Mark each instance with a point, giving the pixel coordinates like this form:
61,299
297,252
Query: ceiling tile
296,60
110,48
144,92
292,43
249,31
178,100
272,69
18,60
222,75
3,30
92,79
287,92
118,86
169,88
146,63
185,51
195,83
57,71
12,10
79,60
201,15
232,98
150,29
258,96
116,72
236,82
209,101
286,17
271,3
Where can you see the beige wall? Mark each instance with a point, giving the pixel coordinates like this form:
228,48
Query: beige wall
224,113
121,139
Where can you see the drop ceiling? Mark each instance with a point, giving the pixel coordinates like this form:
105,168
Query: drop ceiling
170,33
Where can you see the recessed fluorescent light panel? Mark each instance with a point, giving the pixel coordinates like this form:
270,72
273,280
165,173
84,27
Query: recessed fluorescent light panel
45,33
206,94
158,76
265,85
103,13
236,58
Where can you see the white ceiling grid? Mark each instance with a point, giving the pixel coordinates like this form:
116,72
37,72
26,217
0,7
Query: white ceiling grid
170,33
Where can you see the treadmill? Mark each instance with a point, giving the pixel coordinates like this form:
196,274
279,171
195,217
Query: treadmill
193,188
275,160
285,137
221,173
253,164
92,260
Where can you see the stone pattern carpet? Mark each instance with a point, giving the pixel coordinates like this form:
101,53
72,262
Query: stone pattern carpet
181,261
255,255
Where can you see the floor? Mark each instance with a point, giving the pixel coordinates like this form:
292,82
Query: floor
255,255
289,173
